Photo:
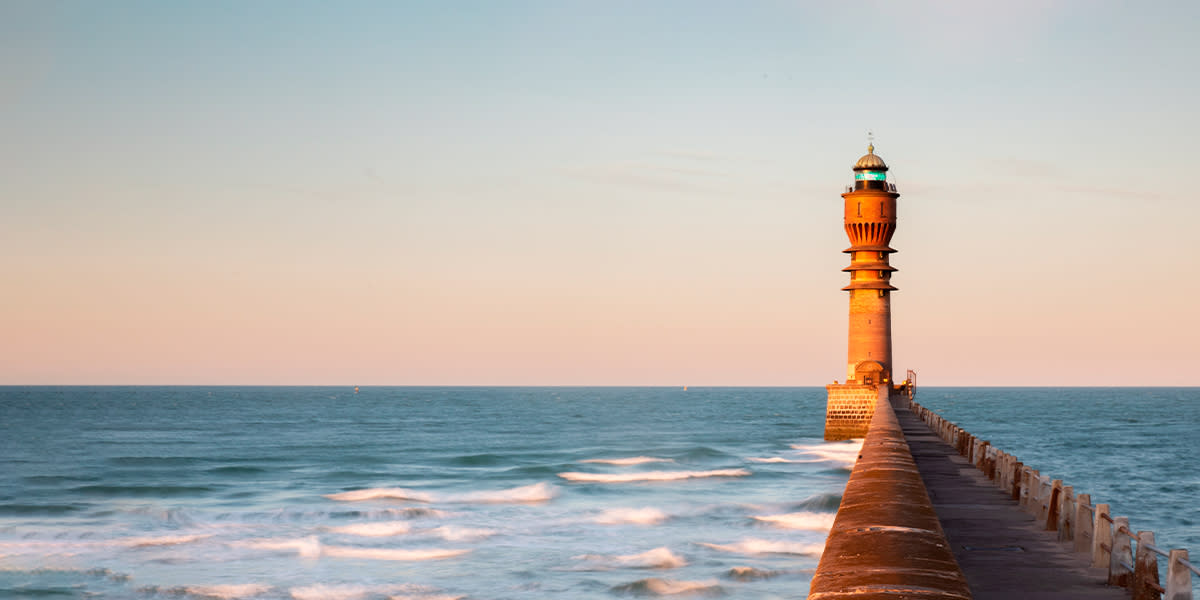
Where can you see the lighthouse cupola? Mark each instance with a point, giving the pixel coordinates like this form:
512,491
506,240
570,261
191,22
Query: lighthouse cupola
870,172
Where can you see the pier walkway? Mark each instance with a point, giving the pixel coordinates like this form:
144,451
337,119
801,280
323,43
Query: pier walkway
1002,550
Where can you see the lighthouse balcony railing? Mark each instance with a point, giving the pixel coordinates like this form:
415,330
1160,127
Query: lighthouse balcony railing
891,187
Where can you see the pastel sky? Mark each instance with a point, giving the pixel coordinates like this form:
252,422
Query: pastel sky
592,193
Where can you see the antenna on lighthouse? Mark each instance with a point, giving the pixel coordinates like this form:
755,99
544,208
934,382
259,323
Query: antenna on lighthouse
870,142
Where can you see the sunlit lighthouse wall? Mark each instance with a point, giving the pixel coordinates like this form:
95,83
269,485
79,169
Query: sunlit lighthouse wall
870,221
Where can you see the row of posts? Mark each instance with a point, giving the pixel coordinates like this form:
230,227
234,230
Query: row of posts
1131,558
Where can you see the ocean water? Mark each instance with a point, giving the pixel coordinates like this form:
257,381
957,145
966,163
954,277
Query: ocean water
421,493
495,493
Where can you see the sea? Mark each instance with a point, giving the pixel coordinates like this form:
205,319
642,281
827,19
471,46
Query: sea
434,493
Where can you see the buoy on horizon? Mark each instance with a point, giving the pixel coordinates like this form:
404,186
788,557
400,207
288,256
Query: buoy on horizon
356,389
685,388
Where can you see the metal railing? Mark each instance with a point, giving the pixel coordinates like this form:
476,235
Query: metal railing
1131,558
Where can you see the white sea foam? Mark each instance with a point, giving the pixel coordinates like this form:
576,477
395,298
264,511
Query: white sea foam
758,546
750,573
425,597
390,553
452,533
526,494
651,476
631,516
355,592
384,529
308,547
311,547
408,513
658,558
635,460
165,540
845,453
667,587
812,521
537,492
244,590
381,494
773,459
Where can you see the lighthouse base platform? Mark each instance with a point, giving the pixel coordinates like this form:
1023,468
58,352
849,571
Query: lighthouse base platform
849,408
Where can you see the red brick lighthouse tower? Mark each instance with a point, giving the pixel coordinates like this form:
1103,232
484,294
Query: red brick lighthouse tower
870,221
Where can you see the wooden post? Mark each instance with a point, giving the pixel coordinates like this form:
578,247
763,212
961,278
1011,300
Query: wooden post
1179,577
1101,537
1043,505
1017,469
1066,514
1052,502
1119,573
1019,488
1145,570
1033,484
1050,505
1083,523
1002,470
1030,494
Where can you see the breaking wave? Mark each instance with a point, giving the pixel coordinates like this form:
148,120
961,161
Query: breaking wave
631,516
311,547
844,453
385,529
749,574
526,494
308,547
810,521
651,476
357,592
758,546
537,492
636,460
658,558
667,587
821,502
224,592
451,533
381,494
166,540
390,553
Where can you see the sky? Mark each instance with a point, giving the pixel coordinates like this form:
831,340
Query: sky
592,193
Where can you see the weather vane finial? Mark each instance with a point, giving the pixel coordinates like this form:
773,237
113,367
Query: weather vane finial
870,142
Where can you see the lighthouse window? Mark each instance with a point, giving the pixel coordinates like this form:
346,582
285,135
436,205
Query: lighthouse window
881,209
860,209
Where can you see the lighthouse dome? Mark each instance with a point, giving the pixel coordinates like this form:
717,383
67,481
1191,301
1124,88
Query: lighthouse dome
870,162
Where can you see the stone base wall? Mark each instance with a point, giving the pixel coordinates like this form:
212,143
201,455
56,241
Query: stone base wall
849,409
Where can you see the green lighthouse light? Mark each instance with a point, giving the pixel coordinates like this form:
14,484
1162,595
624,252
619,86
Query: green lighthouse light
870,176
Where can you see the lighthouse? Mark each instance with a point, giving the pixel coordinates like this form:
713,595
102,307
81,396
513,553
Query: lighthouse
870,220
